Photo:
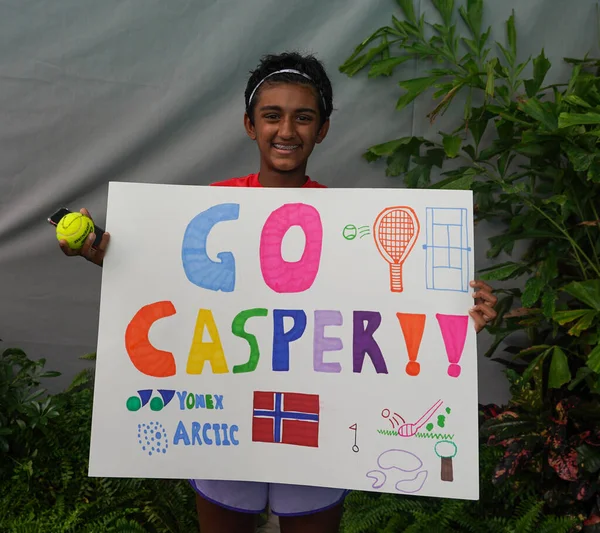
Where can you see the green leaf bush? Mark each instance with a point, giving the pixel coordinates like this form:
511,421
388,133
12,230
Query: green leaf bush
44,449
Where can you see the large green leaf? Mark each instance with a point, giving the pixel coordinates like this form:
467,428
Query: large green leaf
587,292
532,292
445,9
534,349
540,111
566,120
594,171
478,123
541,66
583,324
418,177
500,272
385,67
559,369
490,84
583,373
511,34
533,150
460,181
580,158
506,241
414,87
398,163
508,115
497,147
13,351
451,144
506,427
472,16
50,374
510,52
575,100
434,157
351,67
388,148
349,64
564,317
370,156
594,359
559,199
536,366
549,303
589,457
408,8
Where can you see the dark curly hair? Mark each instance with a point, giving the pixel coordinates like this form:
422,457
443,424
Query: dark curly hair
307,64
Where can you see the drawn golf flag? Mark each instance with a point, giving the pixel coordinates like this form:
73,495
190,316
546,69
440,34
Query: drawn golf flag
454,333
286,418
412,326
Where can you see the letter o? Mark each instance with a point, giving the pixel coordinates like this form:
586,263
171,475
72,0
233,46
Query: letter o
284,276
190,401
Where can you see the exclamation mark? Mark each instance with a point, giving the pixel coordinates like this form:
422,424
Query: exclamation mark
412,326
454,333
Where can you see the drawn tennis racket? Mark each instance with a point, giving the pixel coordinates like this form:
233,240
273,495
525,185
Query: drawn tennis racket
396,230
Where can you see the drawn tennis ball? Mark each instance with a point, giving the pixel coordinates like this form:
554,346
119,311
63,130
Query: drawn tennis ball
74,228
349,232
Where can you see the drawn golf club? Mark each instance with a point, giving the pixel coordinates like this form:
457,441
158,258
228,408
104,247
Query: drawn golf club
410,430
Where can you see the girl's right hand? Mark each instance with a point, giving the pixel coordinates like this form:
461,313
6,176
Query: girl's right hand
94,255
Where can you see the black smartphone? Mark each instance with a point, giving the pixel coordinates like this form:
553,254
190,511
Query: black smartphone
55,218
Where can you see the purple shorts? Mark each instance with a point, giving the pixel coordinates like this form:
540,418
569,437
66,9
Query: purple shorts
253,497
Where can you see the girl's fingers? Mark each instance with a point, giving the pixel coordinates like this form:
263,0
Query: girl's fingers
101,250
87,250
488,313
478,284
486,296
478,320
66,249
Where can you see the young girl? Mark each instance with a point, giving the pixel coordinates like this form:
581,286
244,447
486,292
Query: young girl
288,104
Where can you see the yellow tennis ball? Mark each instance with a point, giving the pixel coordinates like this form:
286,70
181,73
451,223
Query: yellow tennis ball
74,228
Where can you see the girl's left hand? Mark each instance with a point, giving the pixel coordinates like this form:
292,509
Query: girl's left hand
483,310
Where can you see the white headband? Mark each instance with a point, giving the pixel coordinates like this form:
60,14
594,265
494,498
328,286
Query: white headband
289,70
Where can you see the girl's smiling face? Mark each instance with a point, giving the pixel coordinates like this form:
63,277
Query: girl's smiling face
287,125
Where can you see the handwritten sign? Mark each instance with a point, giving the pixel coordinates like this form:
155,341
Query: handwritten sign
316,337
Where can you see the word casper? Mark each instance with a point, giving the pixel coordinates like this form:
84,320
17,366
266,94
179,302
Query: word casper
160,363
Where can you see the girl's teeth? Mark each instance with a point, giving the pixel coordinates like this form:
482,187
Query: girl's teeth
281,147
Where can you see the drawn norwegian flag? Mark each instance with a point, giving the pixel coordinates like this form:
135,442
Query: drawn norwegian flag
286,418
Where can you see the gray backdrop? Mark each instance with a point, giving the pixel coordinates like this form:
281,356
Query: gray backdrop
152,91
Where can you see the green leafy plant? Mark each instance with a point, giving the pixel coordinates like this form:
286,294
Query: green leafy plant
24,409
44,483
530,153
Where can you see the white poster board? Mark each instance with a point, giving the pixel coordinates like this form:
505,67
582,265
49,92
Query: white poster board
306,336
